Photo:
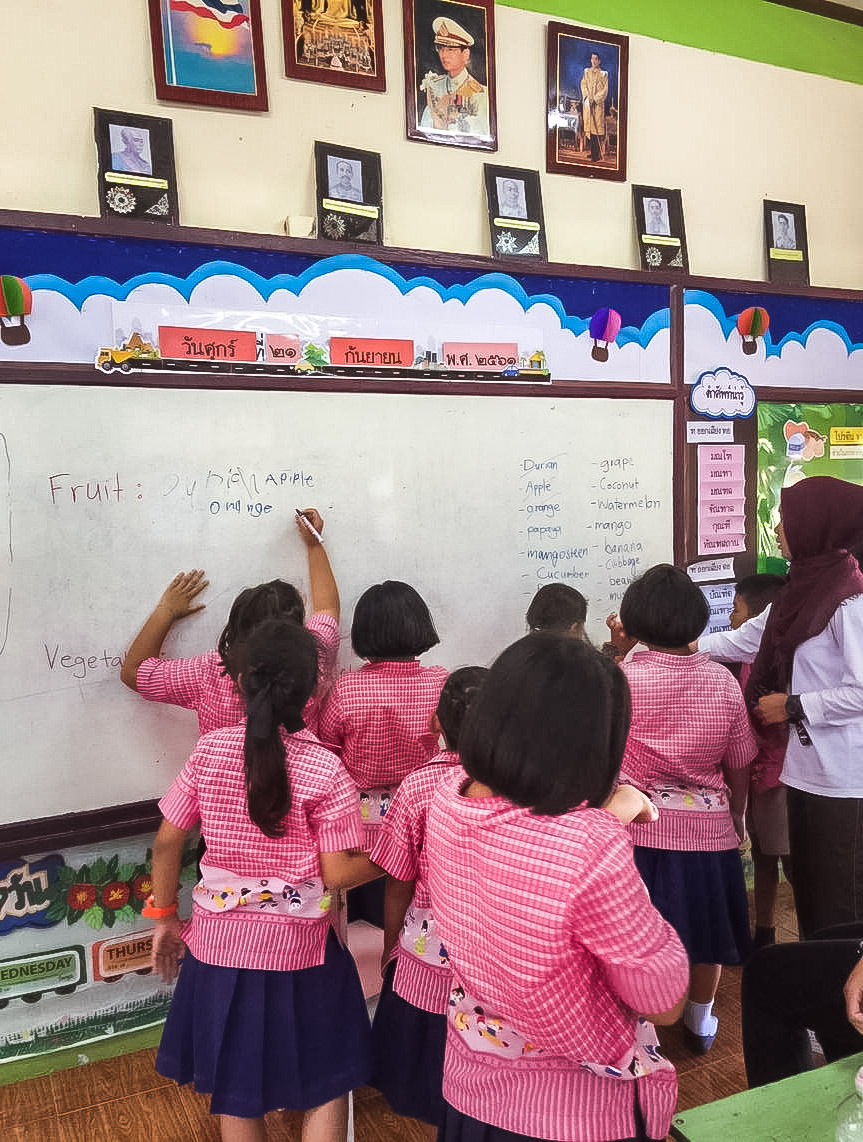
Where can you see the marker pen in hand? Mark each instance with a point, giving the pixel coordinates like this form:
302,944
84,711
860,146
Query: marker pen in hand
305,520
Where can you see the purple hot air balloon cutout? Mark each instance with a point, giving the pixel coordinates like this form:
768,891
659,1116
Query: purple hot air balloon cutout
604,328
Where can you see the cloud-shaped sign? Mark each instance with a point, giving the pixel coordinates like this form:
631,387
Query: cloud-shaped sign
722,395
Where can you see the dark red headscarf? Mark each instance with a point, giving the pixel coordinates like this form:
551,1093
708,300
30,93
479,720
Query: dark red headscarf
822,518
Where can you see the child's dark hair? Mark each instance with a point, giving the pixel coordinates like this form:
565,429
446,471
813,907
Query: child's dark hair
279,672
458,693
274,600
664,608
556,607
391,620
548,728
758,590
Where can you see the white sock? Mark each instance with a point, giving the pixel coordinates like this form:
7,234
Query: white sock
698,1017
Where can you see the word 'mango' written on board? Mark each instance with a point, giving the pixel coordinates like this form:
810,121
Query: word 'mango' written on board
620,504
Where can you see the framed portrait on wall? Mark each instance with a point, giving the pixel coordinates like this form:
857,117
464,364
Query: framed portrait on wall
340,42
515,215
449,73
209,52
136,166
348,194
785,242
660,229
586,107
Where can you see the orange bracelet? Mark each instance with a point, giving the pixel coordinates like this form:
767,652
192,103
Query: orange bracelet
153,913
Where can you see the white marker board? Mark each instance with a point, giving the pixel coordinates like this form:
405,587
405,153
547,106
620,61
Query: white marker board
108,492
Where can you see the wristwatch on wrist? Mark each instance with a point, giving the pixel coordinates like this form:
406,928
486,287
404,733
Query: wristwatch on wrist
794,708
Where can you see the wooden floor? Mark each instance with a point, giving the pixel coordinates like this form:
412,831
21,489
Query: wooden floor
124,1099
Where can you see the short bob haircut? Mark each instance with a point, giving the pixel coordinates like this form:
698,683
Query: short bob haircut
254,605
458,694
556,607
391,621
664,608
548,728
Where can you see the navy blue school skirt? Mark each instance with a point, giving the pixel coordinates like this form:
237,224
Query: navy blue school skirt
702,895
267,1040
458,1127
407,1053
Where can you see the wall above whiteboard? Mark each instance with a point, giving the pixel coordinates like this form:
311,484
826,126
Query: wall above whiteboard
88,291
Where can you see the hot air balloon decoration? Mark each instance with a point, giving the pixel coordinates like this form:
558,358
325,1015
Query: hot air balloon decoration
604,328
752,324
16,301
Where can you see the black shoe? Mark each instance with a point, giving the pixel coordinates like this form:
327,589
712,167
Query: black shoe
699,1044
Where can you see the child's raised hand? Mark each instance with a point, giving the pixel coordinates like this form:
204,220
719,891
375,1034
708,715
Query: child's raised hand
178,597
630,805
315,518
619,639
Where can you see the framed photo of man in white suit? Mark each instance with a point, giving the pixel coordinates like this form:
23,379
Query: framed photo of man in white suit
586,102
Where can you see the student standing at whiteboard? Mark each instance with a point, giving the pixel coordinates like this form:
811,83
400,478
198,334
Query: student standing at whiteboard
553,943
409,1029
268,1011
558,607
378,718
206,683
689,749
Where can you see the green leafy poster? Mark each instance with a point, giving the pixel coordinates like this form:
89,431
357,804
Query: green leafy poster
796,441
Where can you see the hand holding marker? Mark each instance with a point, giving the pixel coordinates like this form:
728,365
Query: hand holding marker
307,523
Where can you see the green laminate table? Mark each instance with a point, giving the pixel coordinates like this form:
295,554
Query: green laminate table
799,1109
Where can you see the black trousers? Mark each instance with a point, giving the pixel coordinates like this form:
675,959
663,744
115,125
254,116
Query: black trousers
826,841
789,989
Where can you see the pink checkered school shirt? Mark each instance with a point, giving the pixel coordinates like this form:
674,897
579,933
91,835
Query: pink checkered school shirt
211,789
200,683
549,926
400,849
688,721
378,717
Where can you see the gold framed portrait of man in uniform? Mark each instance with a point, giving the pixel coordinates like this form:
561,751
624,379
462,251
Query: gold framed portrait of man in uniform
586,107
449,73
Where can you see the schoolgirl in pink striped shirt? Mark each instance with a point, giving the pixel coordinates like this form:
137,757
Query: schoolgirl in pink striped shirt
689,749
268,1012
409,1028
205,682
556,952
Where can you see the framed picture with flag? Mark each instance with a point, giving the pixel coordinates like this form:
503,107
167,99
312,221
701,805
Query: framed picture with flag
209,52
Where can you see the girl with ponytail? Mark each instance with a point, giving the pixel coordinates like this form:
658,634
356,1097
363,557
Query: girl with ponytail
268,1012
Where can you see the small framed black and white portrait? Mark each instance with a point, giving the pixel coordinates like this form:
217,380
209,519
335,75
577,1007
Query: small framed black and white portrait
349,194
515,215
785,242
659,227
136,166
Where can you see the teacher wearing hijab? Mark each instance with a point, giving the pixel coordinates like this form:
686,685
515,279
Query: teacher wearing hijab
807,678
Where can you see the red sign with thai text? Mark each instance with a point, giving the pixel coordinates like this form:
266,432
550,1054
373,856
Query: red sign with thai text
207,344
371,351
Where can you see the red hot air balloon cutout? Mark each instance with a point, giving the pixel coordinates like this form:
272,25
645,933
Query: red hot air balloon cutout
752,324
604,328
16,301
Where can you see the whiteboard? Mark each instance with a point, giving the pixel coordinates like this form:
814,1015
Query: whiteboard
108,492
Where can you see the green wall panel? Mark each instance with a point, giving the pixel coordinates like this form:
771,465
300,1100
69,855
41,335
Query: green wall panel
750,29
